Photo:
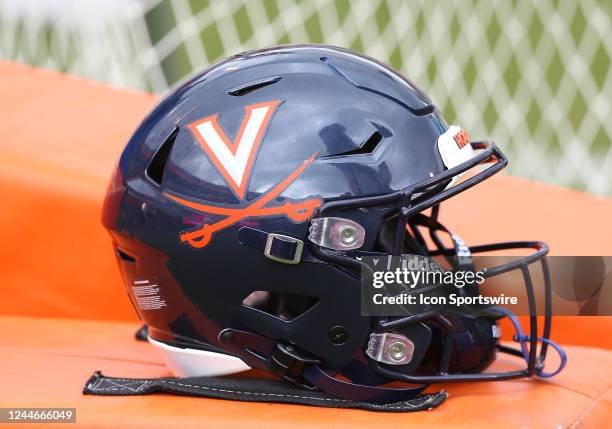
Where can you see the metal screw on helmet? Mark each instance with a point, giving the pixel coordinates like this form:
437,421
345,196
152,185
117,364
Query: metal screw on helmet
226,336
338,335
347,235
390,348
398,350
336,233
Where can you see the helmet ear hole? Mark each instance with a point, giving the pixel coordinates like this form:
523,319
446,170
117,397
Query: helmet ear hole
285,306
265,301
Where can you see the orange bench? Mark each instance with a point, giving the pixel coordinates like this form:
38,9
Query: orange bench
64,314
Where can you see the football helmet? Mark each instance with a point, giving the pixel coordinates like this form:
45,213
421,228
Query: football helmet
243,205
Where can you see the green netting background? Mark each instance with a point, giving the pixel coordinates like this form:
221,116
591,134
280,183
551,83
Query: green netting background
532,75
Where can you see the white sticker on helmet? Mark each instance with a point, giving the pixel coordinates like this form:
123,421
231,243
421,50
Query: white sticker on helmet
454,146
147,294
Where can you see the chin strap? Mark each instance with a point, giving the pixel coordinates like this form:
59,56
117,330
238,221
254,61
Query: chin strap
304,370
303,382
248,390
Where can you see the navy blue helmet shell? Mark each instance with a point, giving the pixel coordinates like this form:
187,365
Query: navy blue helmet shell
214,197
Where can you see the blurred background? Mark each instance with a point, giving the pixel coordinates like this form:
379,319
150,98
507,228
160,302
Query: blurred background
533,76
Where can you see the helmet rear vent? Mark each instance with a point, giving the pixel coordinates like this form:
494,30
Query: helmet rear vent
155,170
285,306
366,148
124,256
253,86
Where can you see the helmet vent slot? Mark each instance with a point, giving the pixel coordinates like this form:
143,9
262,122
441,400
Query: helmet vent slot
155,170
253,86
124,256
285,306
366,148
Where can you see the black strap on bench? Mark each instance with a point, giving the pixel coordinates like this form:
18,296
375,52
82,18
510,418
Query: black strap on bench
248,390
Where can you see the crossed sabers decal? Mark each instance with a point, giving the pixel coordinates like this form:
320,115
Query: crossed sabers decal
234,160
296,211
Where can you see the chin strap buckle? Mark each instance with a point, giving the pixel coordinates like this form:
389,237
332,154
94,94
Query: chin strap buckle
277,247
289,363
283,248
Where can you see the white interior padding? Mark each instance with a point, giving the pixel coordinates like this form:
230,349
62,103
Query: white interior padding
191,362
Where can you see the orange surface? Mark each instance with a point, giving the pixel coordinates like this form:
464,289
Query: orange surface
51,371
61,138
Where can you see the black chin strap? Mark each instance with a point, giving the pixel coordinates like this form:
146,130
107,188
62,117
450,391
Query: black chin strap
303,369
248,390
302,381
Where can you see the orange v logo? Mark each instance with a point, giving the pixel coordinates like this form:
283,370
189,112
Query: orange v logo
234,160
